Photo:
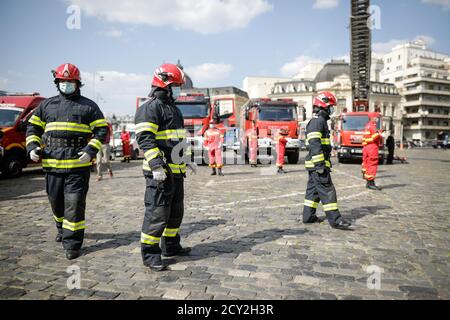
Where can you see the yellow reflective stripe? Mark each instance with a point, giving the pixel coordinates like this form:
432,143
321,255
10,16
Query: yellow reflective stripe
330,207
74,226
98,123
60,220
152,154
326,141
171,233
375,135
68,126
171,134
175,168
31,139
147,126
96,144
314,135
37,121
64,164
311,204
327,164
318,158
147,239
309,164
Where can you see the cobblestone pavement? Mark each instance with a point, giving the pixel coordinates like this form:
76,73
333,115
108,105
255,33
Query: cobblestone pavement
247,243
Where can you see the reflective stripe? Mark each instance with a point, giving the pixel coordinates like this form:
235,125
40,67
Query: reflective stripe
310,164
330,207
98,123
31,139
171,134
327,164
74,226
376,135
64,164
325,141
37,121
170,233
59,220
68,126
311,204
175,168
147,126
147,239
318,158
314,135
96,144
152,154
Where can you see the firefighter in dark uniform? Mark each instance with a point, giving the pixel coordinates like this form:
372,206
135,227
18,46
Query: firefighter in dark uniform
161,135
320,187
67,131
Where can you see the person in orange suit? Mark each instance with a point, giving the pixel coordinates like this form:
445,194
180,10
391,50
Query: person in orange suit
126,145
371,142
281,141
253,146
214,139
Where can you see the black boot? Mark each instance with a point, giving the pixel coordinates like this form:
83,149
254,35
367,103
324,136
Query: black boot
254,166
342,225
314,219
214,172
156,263
220,172
58,237
371,185
281,171
72,254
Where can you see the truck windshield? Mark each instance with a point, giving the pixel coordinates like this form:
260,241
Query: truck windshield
357,123
193,111
9,116
277,113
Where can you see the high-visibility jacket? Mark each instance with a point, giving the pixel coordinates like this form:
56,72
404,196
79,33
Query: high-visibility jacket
371,134
75,122
214,138
318,144
160,134
371,142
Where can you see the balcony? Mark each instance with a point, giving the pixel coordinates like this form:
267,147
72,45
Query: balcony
425,127
420,90
418,115
426,102
426,79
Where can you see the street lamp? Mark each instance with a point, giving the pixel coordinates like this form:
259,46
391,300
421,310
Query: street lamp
101,78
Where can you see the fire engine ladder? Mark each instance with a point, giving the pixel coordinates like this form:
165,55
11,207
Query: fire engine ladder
360,56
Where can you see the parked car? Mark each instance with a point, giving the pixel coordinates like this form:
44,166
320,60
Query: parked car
116,146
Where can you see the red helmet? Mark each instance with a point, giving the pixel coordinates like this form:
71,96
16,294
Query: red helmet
67,71
325,100
166,75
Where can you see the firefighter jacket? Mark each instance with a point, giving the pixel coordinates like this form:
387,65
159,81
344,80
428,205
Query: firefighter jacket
318,144
65,126
371,135
160,134
214,139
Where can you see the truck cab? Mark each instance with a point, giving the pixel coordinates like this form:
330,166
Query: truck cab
349,133
268,117
15,111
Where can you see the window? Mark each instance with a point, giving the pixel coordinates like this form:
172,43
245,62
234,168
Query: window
430,122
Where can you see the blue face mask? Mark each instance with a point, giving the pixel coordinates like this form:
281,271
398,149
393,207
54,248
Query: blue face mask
67,87
176,92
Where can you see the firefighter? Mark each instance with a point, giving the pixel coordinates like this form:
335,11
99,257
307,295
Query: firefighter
281,141
390,144
162,137
253,145
371,141
320,188
126,145
213,142
75,130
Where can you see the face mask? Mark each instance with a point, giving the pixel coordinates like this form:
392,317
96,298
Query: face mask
331,110
176,92
67,87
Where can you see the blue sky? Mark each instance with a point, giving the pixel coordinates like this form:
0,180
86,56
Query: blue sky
218,42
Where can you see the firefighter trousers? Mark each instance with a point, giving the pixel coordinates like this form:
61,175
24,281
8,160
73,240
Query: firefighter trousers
215,157
67,195
164,210
320,188
370,162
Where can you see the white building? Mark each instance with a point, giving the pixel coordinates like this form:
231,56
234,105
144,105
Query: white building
422,77
260,87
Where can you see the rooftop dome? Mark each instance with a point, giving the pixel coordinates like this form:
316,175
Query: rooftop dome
332,70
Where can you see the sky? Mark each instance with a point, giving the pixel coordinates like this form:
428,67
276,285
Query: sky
117,44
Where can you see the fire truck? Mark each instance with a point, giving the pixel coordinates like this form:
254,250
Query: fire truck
269,116
349,126
15,110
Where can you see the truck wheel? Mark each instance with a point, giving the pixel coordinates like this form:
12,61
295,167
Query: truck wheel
11,166
381,160
293,157
340,160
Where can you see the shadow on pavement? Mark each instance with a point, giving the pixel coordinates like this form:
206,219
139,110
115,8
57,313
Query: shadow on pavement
124,239
361,212
392,186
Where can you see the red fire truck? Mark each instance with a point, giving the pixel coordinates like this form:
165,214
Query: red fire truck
269,116
15,110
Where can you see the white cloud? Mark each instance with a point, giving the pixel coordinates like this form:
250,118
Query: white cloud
207,73
444,3
325,4
112,33
203,16
3,83
380,48
292,68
